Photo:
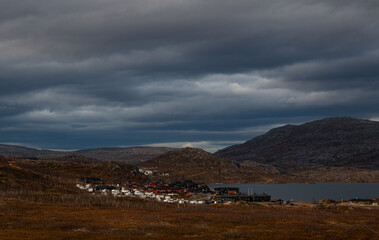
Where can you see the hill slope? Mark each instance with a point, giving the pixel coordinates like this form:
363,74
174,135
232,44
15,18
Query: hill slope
332,142
199,165
72,168
19,179
123,154
195,164
26,152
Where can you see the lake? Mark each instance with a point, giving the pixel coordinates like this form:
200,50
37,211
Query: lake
310,192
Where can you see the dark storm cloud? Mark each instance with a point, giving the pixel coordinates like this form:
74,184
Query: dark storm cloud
182,70
187,35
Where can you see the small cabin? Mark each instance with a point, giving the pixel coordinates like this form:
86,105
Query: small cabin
94,180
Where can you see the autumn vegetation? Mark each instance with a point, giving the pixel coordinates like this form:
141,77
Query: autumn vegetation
45,204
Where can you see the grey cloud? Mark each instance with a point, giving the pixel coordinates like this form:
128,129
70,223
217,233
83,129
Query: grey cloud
129,67
283,29
345,73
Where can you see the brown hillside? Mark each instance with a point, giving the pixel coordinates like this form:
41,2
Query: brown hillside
199,165
195,164
38,206
131,155
74,167
16,178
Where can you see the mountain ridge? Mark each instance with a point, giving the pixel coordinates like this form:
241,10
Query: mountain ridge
130,155
341,141
339,149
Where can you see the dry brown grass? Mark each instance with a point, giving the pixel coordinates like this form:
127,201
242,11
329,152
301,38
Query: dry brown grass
136,219
42,206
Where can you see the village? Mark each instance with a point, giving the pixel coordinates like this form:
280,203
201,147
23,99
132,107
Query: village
181,192
190,192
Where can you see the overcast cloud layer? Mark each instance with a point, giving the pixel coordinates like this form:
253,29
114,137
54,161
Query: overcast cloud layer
90,73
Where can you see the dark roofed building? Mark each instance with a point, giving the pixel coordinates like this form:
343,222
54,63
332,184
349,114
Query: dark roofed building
244,197
261,197
361,200
227,190
94,180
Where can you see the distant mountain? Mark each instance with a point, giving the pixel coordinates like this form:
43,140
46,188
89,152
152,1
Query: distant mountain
74,158
328,150
15,151
332,142
131,155
26,152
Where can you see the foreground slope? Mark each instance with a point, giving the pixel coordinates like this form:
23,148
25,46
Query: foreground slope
35,204
332,142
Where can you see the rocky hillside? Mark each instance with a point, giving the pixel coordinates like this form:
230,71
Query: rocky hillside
332,142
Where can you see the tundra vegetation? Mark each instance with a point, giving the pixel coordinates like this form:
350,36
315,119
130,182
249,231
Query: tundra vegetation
40,201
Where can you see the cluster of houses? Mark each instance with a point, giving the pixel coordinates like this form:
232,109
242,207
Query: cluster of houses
151,173
175,192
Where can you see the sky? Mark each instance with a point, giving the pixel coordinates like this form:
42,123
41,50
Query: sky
80,74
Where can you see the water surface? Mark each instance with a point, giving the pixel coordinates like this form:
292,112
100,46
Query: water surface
310,192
